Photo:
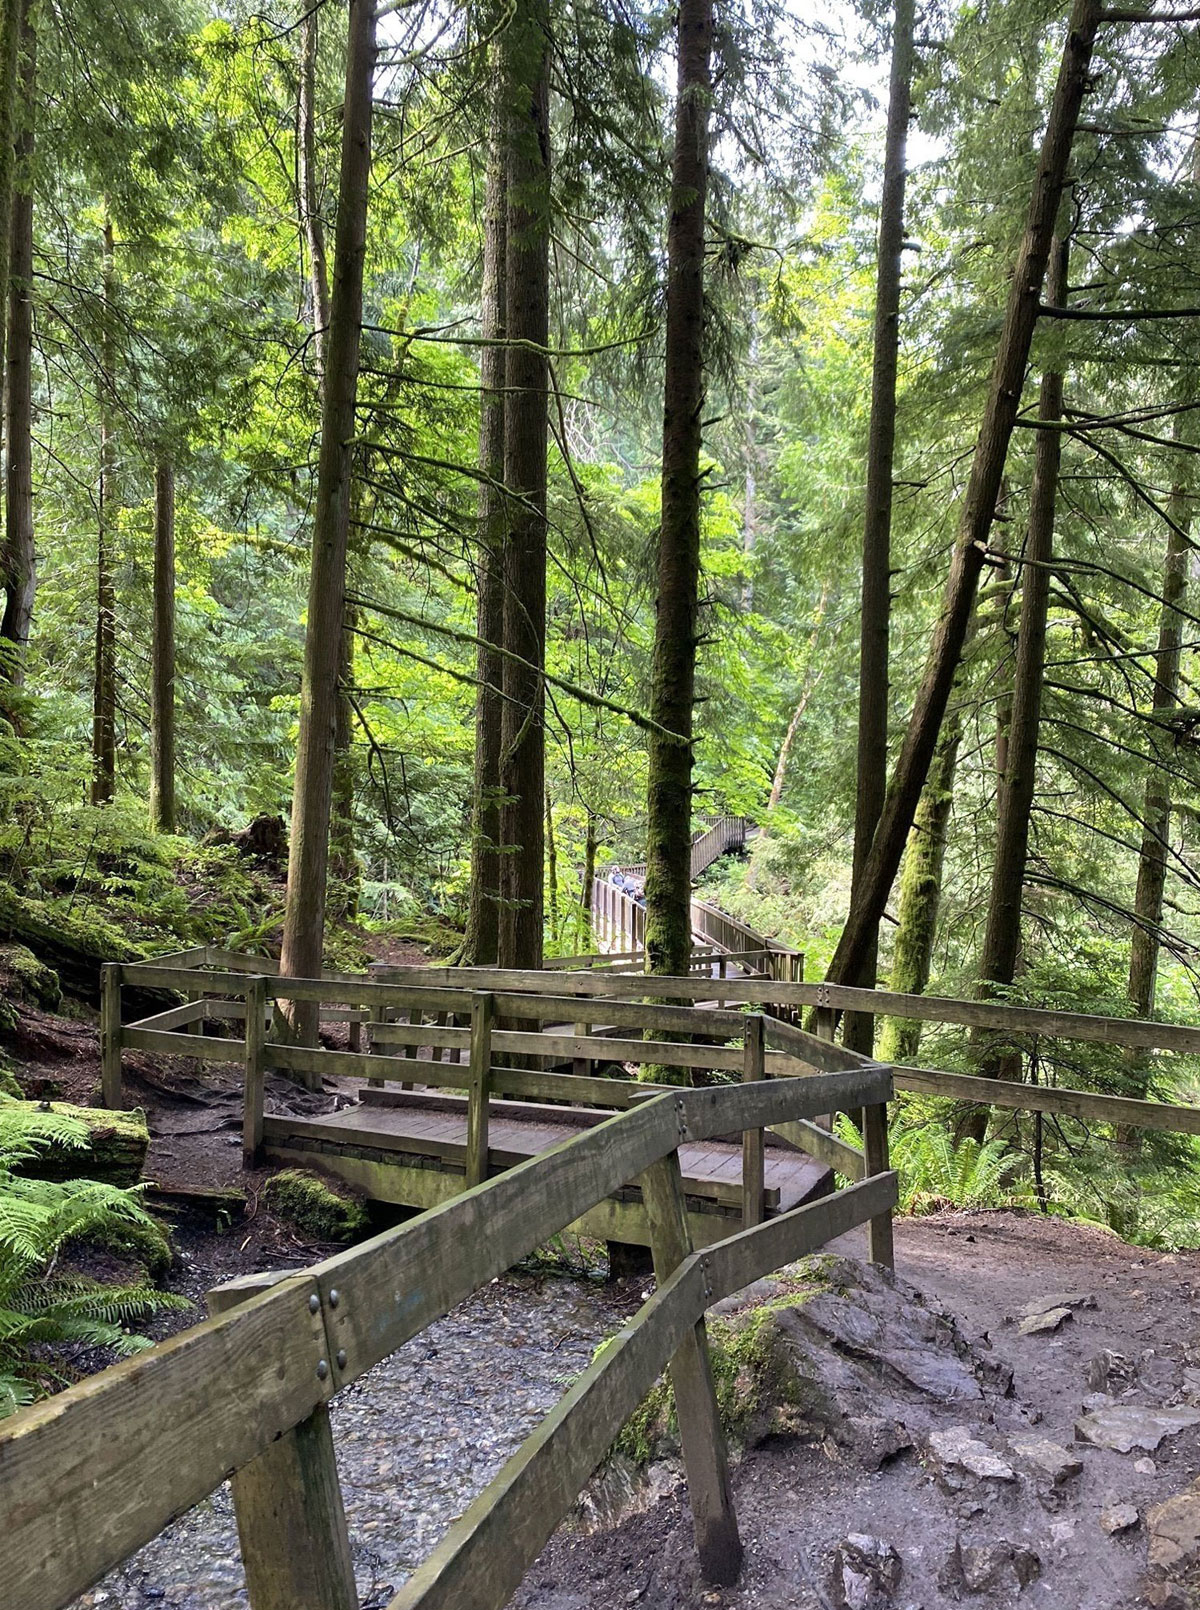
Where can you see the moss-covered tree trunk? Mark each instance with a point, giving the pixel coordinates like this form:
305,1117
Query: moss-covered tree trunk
979,505
481,944
672,694
1002,935
308,850
104,665
19,566
921,893
162,668
527,309
871,785
1156,809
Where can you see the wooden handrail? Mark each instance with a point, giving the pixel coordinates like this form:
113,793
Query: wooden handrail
92,1474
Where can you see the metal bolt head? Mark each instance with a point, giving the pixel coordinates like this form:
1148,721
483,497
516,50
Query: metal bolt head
341,1358
314,1304
322,1368
335,1297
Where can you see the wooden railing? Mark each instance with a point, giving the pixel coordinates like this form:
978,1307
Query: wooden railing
618,920
92,1474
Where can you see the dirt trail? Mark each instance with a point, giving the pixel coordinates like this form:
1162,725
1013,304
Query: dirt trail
796,1502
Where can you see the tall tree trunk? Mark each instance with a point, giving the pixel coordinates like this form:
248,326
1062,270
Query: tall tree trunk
979,507
1156,811
16,121
858,1032
669,791
1002,936
590,844
19,559
308,852
527,301
309,197
162,671
343,858
921,893
104,671
481,945
551,872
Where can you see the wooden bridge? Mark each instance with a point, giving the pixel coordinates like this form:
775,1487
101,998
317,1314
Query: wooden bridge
90,1475
447,1084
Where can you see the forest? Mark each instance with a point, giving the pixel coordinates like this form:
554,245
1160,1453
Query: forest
451,452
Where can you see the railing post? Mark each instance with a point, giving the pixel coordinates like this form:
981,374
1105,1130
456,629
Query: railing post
880,1247
483,1011
256,1069
290,1517
704,1456
110,1035
753,1152
378,1016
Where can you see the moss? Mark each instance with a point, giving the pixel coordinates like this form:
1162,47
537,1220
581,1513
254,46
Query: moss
31,978
147,1244
323,1210
9,1085
761,1385
114,1154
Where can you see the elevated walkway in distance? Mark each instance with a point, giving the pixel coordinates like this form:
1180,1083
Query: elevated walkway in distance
619,921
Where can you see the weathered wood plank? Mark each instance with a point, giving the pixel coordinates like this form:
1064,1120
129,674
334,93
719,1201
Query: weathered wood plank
705,1458
483,1012
93,1473
880,1247
290,1517
356,1065
168,1044
256,1071
110,1036
753,1147
824,1146
483,1557
394,1285
669,1053
174,1017
1124,1110
740,1260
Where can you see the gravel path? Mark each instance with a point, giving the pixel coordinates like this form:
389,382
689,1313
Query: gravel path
417,1438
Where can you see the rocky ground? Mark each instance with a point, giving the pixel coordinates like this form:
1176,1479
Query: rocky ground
1070,1489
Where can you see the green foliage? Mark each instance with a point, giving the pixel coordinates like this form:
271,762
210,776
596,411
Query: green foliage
40,1306
320,1208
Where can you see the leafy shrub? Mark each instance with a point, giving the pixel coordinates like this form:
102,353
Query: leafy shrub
38,1218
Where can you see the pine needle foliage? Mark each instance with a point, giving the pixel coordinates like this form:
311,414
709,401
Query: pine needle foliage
41,1307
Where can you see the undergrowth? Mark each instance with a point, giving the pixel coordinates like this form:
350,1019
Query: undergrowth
42,1306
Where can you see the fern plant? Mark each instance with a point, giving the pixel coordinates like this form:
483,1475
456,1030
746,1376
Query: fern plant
40,1305
935,1173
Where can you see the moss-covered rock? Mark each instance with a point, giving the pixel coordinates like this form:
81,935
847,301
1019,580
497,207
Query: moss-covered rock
764,1387
9,1085
115,1152
25,978
146,1244
322,1208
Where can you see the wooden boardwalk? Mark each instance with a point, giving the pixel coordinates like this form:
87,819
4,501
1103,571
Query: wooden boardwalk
410,1147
